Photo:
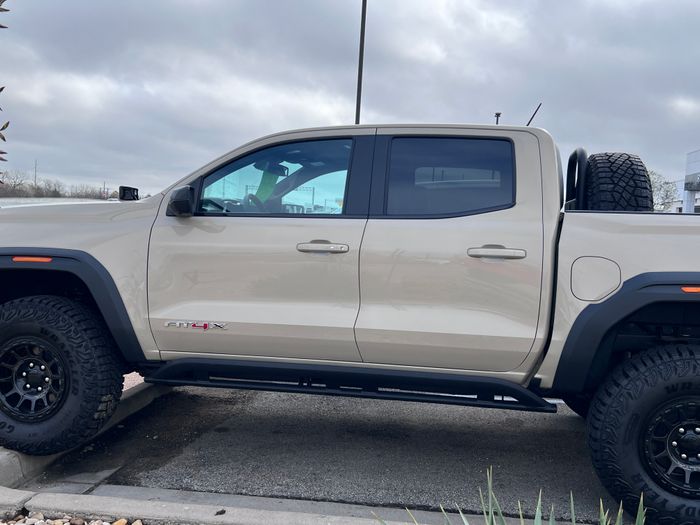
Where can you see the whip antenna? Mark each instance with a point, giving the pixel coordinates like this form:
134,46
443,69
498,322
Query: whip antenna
535,113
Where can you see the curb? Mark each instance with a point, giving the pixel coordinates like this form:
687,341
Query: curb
109,509
17,468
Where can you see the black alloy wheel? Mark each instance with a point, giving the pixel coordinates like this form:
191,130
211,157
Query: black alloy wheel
33,379
671,446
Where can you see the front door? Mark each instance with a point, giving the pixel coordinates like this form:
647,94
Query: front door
451,260
268,265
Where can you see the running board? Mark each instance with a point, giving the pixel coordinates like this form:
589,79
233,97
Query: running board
348,381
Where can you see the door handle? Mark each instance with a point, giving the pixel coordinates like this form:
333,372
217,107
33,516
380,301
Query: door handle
490,251
322,247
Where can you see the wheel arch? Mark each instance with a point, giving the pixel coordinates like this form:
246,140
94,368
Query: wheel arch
72,269
648,310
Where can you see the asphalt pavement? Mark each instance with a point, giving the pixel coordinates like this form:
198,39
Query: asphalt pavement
341,450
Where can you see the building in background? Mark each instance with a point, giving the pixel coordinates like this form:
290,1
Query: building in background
692,183
689,188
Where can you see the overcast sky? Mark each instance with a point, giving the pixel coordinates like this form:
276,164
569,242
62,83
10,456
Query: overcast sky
143,92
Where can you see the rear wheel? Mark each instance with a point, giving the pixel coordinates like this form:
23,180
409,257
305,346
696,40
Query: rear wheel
644,433
617,182
60,375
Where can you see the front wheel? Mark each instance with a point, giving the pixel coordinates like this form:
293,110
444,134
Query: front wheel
644,433
60,375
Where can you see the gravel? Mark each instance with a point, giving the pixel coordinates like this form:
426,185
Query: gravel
37,518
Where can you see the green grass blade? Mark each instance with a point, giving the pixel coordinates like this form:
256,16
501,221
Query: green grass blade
573,510
619,521
499,512
551,516
380,520
444,515
603,517
483,508
641,512
489,481
412,517
520,512
464,519
538,510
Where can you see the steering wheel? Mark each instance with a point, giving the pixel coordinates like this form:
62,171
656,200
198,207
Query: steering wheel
253,199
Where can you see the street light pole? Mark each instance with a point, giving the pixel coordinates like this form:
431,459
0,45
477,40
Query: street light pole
361,62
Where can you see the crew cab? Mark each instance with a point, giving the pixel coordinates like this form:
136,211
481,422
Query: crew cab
435,263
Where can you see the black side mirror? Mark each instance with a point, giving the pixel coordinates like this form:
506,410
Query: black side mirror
127,193
181,202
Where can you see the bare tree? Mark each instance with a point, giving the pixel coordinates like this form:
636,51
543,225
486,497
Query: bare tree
15,184
665,192
83,191
51,188
16,180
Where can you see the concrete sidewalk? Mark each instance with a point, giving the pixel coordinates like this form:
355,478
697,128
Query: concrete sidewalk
159,512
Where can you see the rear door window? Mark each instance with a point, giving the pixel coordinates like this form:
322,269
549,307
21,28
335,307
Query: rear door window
445,176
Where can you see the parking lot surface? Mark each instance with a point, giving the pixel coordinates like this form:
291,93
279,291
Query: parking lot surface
327,449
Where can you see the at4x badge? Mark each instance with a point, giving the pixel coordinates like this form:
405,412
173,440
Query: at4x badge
198,325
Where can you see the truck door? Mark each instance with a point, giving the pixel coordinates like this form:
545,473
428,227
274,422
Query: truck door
451,259
268,265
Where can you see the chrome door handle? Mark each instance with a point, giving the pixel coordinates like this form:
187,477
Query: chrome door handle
322,247
496,252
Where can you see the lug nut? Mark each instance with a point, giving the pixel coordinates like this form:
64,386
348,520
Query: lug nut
24,374
46,380
674,443
31,365
26,386
697,430
683,456
39,389
681,431
42,367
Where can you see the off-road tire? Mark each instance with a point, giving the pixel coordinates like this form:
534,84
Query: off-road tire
92,370
580,404
618,182
623,410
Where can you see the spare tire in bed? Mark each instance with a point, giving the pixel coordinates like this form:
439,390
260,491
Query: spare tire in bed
617,182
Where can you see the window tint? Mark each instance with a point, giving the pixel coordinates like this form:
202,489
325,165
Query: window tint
298,178
449,176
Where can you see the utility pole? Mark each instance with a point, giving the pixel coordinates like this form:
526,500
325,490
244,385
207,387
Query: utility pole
360,62
35,174
498,116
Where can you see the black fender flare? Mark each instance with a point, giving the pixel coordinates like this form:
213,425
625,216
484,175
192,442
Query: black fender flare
97,280
585,354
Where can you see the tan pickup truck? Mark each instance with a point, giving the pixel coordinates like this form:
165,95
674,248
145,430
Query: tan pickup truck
442,264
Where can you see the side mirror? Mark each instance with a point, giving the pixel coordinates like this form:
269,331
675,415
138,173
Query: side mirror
127,193
181,202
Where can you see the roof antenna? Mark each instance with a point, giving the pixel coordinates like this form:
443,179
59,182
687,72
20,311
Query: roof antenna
533,115
498,117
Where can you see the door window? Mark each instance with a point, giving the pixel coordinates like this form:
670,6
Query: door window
300,178
449,176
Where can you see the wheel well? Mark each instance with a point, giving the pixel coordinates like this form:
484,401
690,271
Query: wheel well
650,326
25,282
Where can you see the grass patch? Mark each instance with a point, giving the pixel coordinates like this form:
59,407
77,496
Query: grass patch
493,514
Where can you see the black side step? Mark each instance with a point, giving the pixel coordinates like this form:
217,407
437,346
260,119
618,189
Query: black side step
335,380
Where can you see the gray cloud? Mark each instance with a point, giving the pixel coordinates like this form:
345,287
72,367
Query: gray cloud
145,92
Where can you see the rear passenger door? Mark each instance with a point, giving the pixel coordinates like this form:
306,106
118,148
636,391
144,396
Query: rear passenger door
451,258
